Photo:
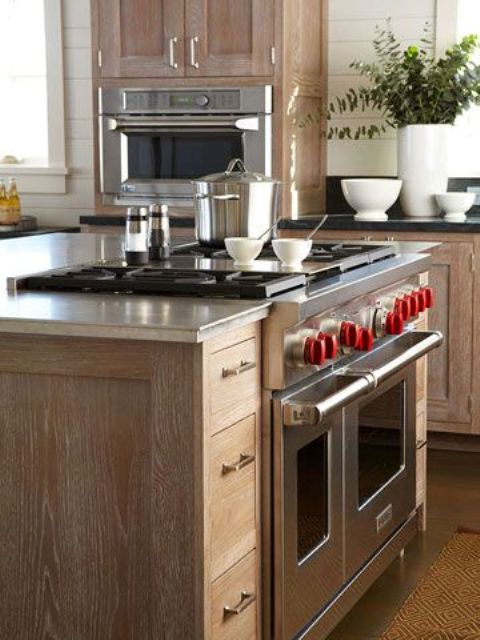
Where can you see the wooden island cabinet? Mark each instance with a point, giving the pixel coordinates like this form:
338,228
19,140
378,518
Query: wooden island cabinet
130,493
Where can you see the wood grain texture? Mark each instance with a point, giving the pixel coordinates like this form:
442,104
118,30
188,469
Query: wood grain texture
133,37
227,591
75,503
233,397
75,356
235,36
233,503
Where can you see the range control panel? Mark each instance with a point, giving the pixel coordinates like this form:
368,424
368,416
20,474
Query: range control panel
323,339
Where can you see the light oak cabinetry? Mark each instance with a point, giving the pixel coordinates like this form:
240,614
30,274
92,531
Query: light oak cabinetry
175,38
125,514
454,275
208,43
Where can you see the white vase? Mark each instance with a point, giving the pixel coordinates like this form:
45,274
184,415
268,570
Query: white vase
422,154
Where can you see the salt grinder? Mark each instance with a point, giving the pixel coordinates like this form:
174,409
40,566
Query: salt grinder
136,236
159,233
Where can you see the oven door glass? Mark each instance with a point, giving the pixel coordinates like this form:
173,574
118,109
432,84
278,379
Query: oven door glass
381,441
180,155
312,496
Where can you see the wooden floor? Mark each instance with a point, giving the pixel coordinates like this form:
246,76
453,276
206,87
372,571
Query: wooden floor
454,499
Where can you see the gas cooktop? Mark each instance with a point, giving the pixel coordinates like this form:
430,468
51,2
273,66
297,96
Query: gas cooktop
199,271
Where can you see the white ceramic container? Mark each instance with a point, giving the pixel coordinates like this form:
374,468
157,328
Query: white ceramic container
422,154
244,251
371,197
455,205
291,251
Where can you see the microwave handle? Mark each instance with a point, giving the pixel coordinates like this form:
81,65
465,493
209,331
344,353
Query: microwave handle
242,124
364,381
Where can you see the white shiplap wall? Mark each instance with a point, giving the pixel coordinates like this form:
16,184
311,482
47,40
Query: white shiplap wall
351,30
65,208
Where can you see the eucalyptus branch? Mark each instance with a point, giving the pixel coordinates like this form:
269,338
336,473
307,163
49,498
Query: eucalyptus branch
406,86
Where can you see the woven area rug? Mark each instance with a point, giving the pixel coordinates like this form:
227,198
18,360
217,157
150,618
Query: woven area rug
446,603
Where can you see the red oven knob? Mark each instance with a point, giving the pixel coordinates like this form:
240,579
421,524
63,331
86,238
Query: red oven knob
402,306
421,300
429,295
349,334
315,351
331,344
365,339
414,306
394,323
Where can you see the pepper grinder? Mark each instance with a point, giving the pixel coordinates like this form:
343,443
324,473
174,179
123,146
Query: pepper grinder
136,236
159,234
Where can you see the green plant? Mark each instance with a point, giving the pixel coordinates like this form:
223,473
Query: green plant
408,86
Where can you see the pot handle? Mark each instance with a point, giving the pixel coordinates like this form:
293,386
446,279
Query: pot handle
236,162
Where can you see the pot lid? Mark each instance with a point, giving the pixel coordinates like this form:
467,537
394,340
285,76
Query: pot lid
240,176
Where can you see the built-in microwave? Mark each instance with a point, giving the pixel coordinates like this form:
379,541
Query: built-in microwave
154,142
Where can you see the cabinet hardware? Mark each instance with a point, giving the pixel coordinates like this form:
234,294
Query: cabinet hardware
99,58
470,404
245,460
367,238
472,262
193,52
390,238
171,52
236,371
273,55
246,599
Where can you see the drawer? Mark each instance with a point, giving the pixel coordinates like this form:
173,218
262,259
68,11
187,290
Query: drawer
234,602
234,384
421,474
233,508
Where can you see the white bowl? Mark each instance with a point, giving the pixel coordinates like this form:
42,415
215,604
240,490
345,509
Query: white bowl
455,205
243,250
371,197
291,251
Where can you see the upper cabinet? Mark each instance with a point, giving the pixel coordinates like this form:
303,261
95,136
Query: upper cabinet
229,37
184,38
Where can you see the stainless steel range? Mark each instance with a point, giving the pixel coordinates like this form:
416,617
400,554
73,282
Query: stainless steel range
340,362
339,353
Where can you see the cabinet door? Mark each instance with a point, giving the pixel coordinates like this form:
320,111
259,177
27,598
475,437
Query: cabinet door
229,37
141,38
450,366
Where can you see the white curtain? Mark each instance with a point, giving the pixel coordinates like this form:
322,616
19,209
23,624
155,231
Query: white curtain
23,87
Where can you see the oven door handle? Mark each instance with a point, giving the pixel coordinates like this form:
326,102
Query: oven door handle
364,381
240,124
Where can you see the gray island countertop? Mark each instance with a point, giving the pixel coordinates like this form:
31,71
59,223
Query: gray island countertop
161,318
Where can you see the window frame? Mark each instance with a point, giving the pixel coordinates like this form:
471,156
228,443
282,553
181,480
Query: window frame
51,176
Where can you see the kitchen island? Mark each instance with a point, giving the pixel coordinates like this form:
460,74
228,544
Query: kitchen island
135,452
117,415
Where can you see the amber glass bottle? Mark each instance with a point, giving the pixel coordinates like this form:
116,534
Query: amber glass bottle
3,204
14,209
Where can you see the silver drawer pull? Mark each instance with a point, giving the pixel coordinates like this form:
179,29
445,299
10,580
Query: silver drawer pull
243,368
245,460
246,599
226,196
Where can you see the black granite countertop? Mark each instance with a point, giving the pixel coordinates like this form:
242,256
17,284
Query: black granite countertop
346,222
41,231
119,221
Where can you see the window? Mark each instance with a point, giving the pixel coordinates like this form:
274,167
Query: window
32,125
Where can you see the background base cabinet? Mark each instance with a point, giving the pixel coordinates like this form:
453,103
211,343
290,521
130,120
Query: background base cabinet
130,488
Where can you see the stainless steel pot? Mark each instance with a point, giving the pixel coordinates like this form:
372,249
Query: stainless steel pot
234,204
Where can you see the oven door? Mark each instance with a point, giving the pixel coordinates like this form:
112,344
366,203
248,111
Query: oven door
308,517
380,465
157,156
344,474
